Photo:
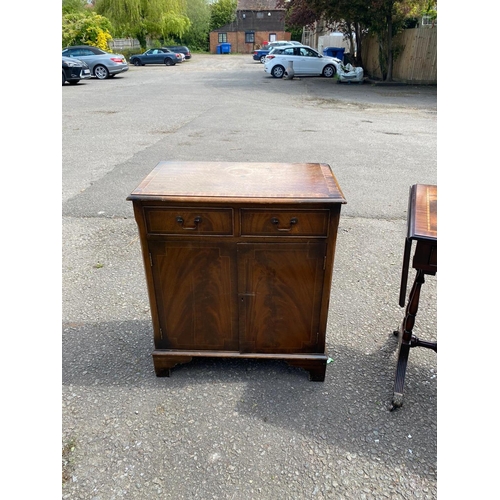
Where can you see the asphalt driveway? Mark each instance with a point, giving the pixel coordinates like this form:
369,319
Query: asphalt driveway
243,429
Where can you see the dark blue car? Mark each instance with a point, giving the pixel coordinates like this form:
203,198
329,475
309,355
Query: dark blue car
154,56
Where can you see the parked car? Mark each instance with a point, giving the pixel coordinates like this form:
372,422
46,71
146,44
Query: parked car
260,54
180,48
306,62
154,56
74,70
102,64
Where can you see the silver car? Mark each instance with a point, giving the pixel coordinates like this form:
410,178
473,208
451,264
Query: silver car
306,62
102,64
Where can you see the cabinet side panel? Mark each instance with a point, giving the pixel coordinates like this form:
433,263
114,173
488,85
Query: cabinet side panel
329,265
195,287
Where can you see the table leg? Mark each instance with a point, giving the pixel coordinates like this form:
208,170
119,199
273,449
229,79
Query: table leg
405,339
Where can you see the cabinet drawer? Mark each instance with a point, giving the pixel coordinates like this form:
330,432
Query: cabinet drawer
189,221
284,222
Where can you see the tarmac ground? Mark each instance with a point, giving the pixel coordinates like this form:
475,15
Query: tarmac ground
243,429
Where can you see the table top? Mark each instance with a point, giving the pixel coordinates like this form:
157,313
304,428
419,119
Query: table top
240,181
422,226
422,212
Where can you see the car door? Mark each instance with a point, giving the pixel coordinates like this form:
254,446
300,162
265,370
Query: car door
310,62
149,57
287,55
160,56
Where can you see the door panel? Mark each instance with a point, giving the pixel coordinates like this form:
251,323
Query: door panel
310,63
195,287
279,290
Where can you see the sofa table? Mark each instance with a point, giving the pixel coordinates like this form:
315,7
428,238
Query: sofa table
239,260
422,228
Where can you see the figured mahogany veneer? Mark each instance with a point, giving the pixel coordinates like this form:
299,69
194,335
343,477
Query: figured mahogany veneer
182,220
239,260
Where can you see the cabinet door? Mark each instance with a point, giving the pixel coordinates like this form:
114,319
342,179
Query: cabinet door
280,287
196,295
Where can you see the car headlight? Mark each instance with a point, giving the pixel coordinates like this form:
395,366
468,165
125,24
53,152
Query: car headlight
76,64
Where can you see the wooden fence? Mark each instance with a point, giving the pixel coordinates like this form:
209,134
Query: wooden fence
417,62
124,43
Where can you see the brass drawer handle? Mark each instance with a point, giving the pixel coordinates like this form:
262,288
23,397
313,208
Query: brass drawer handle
197,220
292,222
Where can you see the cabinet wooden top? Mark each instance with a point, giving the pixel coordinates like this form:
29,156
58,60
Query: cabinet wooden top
422,221
182,181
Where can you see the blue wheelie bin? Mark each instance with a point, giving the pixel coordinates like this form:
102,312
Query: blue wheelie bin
218,49
225,48
337,52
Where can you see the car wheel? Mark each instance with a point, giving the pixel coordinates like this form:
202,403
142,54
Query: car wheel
101,72
64,79
136,62
169,61
263,59
278,71
329,71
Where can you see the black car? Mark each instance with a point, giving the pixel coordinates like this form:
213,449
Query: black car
180,48
154,56
74,70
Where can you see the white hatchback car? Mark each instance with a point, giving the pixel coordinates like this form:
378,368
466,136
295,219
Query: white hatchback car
306,62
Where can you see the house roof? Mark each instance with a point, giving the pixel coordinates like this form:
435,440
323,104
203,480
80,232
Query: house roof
258,5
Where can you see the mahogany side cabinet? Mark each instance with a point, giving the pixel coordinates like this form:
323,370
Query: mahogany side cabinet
239,260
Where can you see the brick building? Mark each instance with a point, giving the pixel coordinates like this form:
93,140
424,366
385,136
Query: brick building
257,21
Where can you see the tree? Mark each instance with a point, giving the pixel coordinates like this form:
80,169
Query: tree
387,21
346,16
383,18
86,28
143,18
72,6
198,12
222,12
